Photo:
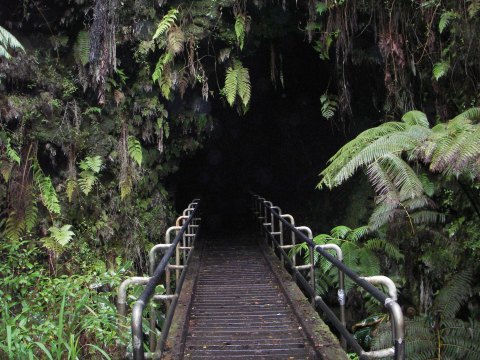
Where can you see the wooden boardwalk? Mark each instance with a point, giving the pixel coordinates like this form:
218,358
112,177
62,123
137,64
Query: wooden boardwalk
241,308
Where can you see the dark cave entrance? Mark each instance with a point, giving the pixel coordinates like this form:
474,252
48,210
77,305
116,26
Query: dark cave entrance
277,149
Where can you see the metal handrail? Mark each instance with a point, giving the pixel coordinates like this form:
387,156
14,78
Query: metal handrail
264,207
149,291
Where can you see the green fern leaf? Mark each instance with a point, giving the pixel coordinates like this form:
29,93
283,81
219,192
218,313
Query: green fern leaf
166,23
231,85
415,117
162,61
86,181
48,195
7,40
135,150
329,106
237,82
454,294
6,169
474,8
70,188
81,49
12,155
93,164
240,30
440,69
62,235
445,20
244,88
14,227
386,247
31,216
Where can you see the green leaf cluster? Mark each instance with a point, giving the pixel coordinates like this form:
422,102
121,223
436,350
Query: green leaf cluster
237,84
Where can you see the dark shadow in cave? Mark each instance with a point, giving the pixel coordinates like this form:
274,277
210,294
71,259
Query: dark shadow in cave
277,149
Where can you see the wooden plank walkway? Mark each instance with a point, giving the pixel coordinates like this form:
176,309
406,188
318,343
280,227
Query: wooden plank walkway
240,310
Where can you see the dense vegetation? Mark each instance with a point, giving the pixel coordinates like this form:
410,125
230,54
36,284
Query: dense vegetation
100,101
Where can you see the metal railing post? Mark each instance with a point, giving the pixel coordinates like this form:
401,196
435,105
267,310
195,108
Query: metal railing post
310,266
341,285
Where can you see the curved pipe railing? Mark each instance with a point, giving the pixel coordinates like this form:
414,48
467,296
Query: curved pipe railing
155,279
266,213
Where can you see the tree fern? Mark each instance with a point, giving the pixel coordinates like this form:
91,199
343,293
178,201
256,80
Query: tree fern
81,49
166,23
135,150
237,83
8,41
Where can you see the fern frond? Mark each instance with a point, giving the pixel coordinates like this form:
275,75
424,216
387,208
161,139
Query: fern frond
415,117
81,49
329,105
391,250
244,87
473,8
427,217
403,177
62,235
70,188
14,227
12,155
440,69
237,82
454,294
240,30
135,150
86,182
166,23
445,19
175,40
358,233
6,170
91,163
7,40
340,232
231,85
48,195
31,216
162,61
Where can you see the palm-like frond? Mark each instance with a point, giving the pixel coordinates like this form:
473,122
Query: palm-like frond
454,294
7,40
81,49
237,83
166,23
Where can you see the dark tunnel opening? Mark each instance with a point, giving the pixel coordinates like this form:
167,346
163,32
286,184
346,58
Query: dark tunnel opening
277,149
